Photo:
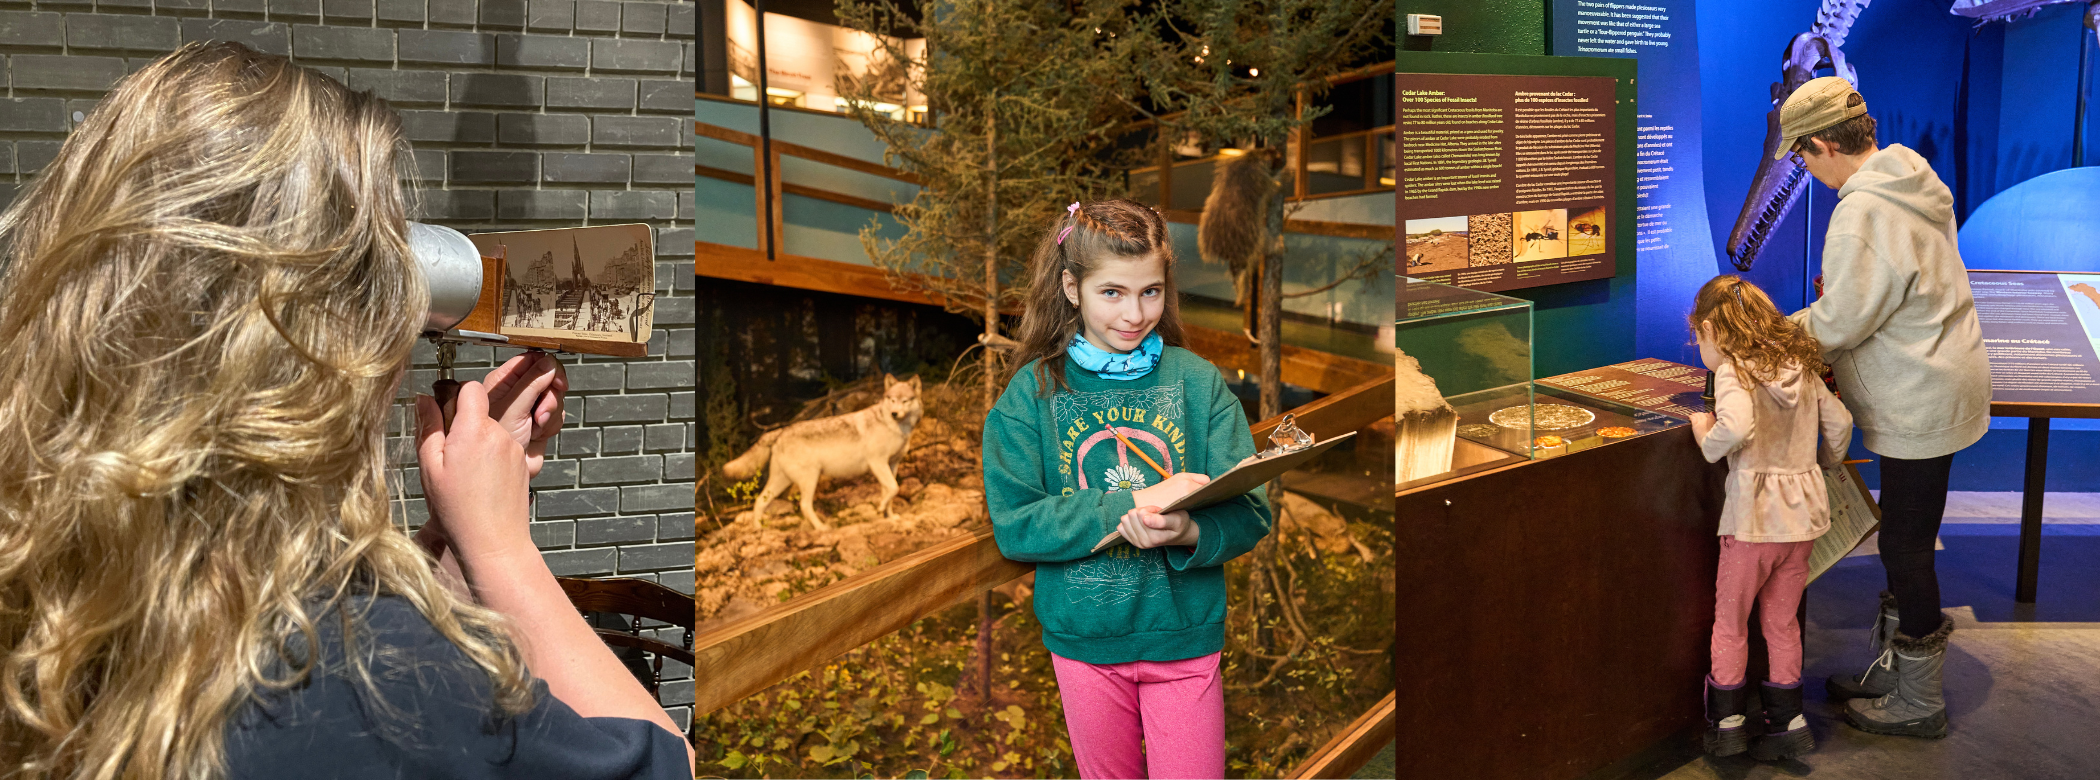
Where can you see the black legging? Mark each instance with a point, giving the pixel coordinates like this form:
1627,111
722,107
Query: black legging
1913,500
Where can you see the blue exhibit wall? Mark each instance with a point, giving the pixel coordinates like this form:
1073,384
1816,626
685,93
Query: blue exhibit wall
811,227
1910,57
2039,103
1672,250
1577,325
1989,107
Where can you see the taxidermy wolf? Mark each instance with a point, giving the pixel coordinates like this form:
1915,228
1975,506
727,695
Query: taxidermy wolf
847,445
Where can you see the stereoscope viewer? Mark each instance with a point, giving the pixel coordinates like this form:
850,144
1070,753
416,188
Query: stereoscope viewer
585,290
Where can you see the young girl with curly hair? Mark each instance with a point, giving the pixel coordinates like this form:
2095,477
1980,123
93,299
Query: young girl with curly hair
1769,409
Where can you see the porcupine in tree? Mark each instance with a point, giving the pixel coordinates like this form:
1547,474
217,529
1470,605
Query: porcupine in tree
1234,226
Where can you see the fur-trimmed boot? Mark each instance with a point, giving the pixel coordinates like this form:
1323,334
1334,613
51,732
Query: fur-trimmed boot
1917,706
1786,732
1726,733
1880,676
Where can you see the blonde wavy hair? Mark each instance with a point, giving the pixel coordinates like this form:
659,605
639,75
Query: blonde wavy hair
206,305
1751,330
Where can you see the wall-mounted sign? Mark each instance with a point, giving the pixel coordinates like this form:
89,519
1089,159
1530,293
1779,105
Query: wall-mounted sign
1506,181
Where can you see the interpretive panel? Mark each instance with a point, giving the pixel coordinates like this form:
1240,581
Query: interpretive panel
1507,181
2040,331
1653,384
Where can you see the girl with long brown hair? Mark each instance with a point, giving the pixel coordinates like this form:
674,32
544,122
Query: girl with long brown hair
206,308
1107,421
1770,406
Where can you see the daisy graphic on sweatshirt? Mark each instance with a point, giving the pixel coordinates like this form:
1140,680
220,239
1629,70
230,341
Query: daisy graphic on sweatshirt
1124,477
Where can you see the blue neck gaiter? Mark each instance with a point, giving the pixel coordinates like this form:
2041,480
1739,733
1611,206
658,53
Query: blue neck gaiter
1114,365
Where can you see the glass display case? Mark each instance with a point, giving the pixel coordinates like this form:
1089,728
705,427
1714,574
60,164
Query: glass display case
1466,401
1463,357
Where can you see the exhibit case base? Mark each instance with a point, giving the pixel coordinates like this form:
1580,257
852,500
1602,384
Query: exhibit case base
1572,591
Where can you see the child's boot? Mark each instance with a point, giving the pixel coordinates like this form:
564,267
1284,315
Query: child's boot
1880,676
1786,732
1917,706
1726,733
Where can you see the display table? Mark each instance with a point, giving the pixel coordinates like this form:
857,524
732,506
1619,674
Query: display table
1556,609
2039,328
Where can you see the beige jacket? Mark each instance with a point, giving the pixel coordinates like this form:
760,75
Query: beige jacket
1896,320
1768,433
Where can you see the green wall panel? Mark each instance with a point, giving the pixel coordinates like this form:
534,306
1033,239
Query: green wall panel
1576,325
1486,26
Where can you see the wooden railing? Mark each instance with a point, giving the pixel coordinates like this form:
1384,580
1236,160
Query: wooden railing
1348,750
1300,144
758,650
1308,368
715,132
765,161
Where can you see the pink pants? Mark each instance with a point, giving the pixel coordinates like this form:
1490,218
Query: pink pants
1772,575
1176,707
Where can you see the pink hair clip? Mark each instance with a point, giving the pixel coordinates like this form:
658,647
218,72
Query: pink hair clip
1074,211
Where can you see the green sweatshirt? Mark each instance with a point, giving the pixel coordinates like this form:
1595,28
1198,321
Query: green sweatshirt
1057,480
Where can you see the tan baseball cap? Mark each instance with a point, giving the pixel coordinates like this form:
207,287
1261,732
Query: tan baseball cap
1818,105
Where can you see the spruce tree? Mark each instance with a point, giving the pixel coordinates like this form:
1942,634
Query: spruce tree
1026,103
1250,72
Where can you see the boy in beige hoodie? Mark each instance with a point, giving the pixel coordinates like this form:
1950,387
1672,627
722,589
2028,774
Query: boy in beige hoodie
1770,408
1899,329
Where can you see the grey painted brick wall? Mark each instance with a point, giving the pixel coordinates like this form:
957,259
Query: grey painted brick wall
524,114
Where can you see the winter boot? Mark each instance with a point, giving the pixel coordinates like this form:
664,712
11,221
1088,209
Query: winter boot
1916,707
1726,733
1880,677
1786,732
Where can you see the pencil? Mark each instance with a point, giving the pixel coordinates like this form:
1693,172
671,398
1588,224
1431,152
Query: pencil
1163,473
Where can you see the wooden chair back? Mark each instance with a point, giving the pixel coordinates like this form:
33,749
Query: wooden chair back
642,600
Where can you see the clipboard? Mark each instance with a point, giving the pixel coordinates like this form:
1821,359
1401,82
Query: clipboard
1241,479
1854,516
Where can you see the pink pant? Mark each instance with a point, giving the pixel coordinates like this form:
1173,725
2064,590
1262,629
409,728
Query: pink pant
1771,574
1176,707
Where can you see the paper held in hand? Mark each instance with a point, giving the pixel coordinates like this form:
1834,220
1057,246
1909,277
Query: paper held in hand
1248,475
1853,516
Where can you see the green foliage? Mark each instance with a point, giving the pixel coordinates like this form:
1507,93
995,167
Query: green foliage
1247,73
746,490
725,429
1027,100
896,706
1235,68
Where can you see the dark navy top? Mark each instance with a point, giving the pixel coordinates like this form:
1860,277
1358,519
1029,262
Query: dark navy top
429,713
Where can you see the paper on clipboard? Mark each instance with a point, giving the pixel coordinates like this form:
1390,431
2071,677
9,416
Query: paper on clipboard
1853,515
1242,478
